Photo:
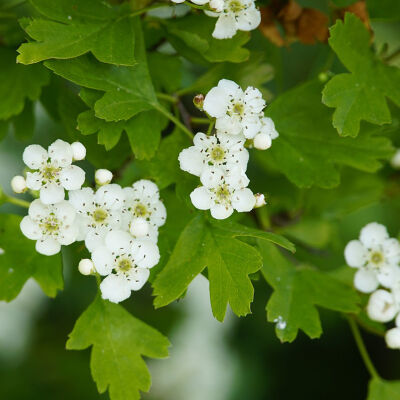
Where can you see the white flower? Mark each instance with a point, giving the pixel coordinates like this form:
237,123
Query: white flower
234,15
142,201
126,261
382,306
392,338
98,213
263,140
53,171
18,184
224,151
103,176
236,111
86,266
375,255
51,225
221,194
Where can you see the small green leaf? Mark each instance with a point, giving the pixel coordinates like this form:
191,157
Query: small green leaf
73,28
229,261
119,341
20,261
18,84
383,390
297,292
360,94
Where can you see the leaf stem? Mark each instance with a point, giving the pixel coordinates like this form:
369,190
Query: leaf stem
210,127
361,348
168,97
200,121
175,120
15,201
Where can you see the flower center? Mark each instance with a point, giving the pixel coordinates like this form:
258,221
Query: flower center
124,265
235,6
376,257
140,210
100,215
238,108
50,173
222,194
50,225
217,153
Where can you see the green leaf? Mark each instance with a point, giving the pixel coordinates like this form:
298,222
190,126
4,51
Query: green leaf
384,9
383,390
360,94
166,71
24,123
20,261
18,84
73,28
308,150
128,90
119,341
229,262
297,292
191,37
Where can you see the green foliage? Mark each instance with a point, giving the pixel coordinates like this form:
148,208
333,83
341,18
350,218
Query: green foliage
383,390
20,261
297,292
360,94
229,262
72,28
119,341
308,150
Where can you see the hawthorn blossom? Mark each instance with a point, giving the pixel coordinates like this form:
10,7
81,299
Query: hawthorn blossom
97,212
125,262
142,204
51,225
375,255
237,112
221,194
52,170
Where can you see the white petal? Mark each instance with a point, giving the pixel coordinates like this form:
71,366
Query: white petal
146,253
391,250
386,275
111,196
34,156
68,235
243,200
249,19
216,102
33,180
392,338
118,242
115,288
225,28
139,227
211,176
103,260
268,127
254,101
95,239
217,5
251,126
201,198
228,125
51,193
82,199
48,246
381,306
236,178
138,277
202,141
30,228
373,234
65,212
72,177
365,281
38,210
230,87
191,160
219,211
355,254
61,153
159,214
146,188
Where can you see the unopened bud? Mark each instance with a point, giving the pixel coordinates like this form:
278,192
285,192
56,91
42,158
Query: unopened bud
79,151
395,160
139,227
392,338
18,184
262,141
103,176
86,266
198,101
260,200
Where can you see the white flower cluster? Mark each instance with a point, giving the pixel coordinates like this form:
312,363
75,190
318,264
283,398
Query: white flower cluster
377,258
220,161
233,16
118,225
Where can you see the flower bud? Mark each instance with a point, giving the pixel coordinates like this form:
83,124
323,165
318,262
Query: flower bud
198,101
381,306
86,267
395,160
392,338
79,151
103,176
18,184
139,227
260,200
262,141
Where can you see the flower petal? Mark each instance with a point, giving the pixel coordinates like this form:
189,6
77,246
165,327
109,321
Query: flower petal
248,19
216,101
48,246
243,200
365,280
219,211
61,153
191,160
201,198
137,277
51,193
355,254
146,253
373,234
103,260
34,156
33,180
118,242
115,288
68,235
72,177
82,199
30,228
